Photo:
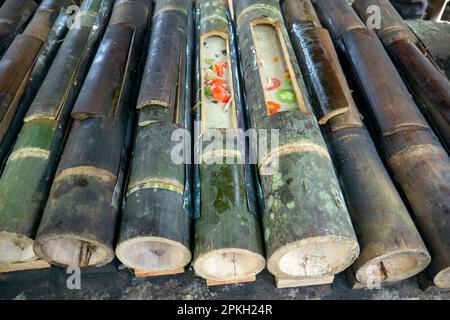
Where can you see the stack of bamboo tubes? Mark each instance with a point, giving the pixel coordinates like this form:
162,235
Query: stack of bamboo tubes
104,151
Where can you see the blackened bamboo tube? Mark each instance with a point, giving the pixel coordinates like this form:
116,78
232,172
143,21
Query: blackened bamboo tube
37,75
307,228
28,173
14,14
228,240
79,222
18,61
416,158
155,231
391,247
428,85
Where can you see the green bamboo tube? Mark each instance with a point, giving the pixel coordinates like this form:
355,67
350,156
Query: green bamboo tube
40,69
155,230
228,242
28,174
307,228
391,247
18,61
418,161
79,222
14,14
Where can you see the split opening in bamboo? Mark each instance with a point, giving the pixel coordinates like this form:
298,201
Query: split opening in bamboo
313,257
15,248
73,251
392,267
153,254
281,91
229,264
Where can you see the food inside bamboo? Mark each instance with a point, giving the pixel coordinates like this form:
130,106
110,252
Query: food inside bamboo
228,242
28,174
307,229
418,161
391,247
155,230
428,84
78,225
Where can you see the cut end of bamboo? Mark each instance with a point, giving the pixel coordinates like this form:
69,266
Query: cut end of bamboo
231,264
393,267
153,254
442,279
313,257
16,248
72,250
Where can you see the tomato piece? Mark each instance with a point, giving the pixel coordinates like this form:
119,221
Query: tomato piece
273,83
220,93
219,82
273,107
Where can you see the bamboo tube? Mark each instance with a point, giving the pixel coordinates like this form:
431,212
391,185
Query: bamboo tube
27,177
78,225
391,247
14,14
307,228
18,61
428,85
40,69
417,159
228,242
156,225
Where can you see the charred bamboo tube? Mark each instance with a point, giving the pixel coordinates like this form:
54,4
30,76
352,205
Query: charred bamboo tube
417,159
428,85
156,226
14,14
228,242
307,228
27,177
40,69
18,61
391,247
78,225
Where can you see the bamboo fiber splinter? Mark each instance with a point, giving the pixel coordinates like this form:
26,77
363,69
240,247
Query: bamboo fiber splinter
391,247
307,228
429,86
418,161
228,242
79,222
156,226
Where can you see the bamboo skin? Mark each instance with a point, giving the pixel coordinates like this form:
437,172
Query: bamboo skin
228,242
14,14
307,228
30,168
79,222
416,158
427,83
19,59
391,247
155,231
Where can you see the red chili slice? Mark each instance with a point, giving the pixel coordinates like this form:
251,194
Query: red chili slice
219,68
